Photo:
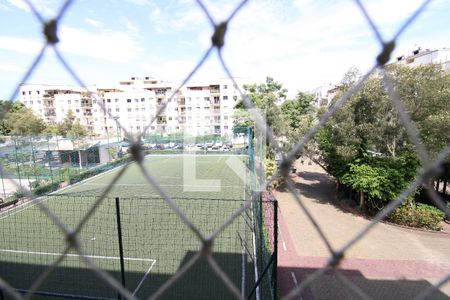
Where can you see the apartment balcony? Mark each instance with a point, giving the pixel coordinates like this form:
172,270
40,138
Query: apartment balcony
47,96
214,91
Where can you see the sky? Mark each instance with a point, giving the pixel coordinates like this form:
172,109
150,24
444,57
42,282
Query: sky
302,44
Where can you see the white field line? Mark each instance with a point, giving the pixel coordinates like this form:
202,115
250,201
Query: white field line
254,254
152,261
243,243
169,185
294,279
34,202
77,255
198,155
144,277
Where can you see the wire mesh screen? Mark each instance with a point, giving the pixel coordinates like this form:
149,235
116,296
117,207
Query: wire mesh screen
76,229
155,244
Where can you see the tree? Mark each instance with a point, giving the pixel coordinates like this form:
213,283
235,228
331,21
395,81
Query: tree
299,116
6,107
294,109
366,136
65,126
77,131
267,97
22,121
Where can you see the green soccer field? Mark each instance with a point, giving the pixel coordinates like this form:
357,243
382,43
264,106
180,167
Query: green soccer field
156,243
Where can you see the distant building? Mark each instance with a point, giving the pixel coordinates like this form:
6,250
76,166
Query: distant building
421,56
441,57
323,95
198,108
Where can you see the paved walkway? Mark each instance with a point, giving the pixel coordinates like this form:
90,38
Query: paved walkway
390,262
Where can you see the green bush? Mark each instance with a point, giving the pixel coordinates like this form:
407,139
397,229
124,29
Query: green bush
419,215
42,189
20,193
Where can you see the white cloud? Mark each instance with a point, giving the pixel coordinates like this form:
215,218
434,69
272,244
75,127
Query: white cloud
131,27
44,7
11,68
20,45
113,46
308,43
93,22
4,7
20,4
186,17
140,2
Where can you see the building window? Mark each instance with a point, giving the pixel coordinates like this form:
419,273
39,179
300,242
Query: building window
170,118
136,100
142,99
128,100
29,92
77,110
225,117
23,93
117,109
38,92
117,100
225,127
225,97
108,100
129,109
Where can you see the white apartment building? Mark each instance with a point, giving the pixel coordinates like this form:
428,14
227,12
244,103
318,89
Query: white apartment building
52,103
419,56
197,109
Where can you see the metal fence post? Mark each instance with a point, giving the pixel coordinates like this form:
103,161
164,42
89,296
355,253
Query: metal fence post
119,235
17,163
275,249
49,158
3,182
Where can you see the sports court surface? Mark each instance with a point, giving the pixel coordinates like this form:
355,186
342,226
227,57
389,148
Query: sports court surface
156,242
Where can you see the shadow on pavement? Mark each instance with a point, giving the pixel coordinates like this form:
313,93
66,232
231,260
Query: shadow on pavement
321,189
329,286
